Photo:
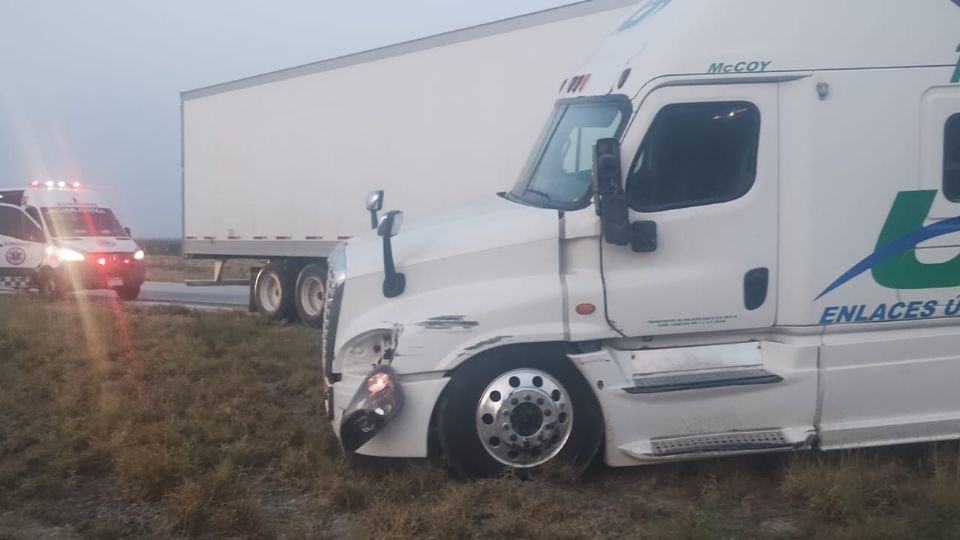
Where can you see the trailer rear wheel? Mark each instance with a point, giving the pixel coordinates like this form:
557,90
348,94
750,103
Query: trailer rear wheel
274,292
310,294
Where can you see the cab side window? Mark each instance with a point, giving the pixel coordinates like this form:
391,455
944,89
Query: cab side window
31,230
10,224
696,154
16,224
951,159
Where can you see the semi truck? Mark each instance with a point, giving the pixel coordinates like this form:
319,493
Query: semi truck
274,164
58,236
738,233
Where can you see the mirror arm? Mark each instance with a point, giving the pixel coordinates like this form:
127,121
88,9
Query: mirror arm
373,219
394,282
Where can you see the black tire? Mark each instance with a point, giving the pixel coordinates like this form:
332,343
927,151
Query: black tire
273,294
458,423
129,293
310,293
50,285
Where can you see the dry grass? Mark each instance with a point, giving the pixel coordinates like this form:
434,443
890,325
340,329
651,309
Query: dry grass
119,421
174,268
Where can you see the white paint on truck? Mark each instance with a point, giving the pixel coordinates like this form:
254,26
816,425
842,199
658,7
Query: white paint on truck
787,273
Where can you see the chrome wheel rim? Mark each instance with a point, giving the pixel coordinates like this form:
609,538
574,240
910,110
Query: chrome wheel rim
271,292
312,296
524,418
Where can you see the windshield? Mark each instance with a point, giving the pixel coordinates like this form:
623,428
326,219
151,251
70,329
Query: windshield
559,172
66,221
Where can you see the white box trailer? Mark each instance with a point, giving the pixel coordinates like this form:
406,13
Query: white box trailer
277,166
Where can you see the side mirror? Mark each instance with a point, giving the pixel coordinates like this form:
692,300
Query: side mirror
374,205
610,198
394,283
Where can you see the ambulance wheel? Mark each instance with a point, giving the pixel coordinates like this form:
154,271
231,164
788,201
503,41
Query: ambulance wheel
273,294
50,286
129,293
311,294
519,410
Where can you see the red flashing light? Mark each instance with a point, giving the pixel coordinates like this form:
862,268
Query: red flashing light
35,183
586,309
101,261
75,185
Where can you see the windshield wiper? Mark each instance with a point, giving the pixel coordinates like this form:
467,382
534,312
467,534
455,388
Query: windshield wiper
544,196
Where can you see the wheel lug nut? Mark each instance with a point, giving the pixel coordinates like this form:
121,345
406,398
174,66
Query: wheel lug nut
514,401
526,398
513,438
539,401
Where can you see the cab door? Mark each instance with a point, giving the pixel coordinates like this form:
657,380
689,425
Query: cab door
22,246
701,162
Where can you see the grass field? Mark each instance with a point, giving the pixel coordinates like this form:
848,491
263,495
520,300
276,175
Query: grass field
119,421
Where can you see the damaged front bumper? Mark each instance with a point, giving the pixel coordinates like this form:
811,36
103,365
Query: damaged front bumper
378,401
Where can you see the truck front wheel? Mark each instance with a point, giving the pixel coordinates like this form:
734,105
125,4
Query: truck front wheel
129,293
50,285
273,293
518,410
310,294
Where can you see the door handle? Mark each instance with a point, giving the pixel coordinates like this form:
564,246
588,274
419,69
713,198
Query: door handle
755,285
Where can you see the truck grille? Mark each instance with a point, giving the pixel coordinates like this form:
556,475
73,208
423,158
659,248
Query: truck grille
336,275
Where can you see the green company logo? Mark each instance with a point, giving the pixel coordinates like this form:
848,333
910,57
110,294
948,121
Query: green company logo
647,10
894,262
956,72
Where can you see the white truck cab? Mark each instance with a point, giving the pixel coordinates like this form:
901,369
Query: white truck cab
57,236
738,233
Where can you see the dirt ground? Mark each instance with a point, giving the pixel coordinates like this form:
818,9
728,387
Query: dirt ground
122,421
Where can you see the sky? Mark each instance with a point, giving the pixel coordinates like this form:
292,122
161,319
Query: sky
90,90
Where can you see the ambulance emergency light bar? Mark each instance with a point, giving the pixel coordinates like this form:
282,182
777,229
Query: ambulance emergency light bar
61,184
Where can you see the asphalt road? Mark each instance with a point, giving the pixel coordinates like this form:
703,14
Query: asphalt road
178,293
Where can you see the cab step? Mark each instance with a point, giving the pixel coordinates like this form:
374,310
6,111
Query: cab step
656,384
720,444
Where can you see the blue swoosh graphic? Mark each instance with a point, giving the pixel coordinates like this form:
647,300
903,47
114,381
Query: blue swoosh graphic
895,248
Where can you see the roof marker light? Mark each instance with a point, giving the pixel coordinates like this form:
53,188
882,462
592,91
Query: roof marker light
623,77
49,183
573,84
583,82
61,184
563,85
35,183
76,185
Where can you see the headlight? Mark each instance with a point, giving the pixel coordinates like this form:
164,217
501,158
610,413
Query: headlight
138,255
376,403
69,255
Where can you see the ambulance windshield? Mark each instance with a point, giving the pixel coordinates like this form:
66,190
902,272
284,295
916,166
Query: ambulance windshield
558,174
72,221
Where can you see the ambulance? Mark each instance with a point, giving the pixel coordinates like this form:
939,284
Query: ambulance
738,233
58,236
